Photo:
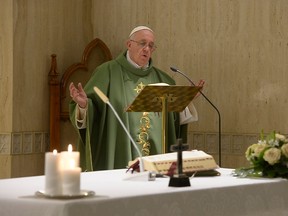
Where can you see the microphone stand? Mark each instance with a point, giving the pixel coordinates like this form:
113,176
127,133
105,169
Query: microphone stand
219,116
149,175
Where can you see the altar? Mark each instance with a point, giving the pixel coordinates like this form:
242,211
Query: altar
218,195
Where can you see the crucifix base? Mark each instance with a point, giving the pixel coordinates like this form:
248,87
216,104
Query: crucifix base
179,181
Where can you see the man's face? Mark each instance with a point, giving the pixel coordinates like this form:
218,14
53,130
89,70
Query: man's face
140,46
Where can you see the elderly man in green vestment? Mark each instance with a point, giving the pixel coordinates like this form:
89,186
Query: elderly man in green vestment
103,143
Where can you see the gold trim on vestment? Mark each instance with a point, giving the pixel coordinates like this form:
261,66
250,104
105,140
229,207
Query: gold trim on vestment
145,125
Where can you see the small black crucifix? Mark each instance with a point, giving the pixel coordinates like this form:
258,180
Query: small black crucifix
180,179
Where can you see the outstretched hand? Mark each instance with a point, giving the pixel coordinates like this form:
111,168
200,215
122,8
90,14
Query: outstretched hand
78,94
200,84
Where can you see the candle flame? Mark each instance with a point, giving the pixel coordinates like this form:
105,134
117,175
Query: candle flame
54,152
69,148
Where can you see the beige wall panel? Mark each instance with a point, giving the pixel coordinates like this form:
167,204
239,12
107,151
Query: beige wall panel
30,32
5,166
27,165
42,28
6,65
238,47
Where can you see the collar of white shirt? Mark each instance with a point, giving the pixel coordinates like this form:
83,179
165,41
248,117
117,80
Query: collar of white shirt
134,64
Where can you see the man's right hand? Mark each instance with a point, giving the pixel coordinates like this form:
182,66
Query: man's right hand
78,94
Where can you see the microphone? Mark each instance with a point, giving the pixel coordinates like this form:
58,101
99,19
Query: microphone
174,69
105,99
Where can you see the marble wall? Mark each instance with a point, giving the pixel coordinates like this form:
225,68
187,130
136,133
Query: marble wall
30,31
239,47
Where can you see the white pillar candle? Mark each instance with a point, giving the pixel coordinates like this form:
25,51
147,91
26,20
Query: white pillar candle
71,181
68,156
70,172
53,183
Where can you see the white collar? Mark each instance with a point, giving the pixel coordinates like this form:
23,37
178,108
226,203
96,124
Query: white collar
135,64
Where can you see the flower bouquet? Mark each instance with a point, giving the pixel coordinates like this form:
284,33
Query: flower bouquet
268,158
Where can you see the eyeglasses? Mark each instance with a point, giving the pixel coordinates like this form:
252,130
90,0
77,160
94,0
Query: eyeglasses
144,44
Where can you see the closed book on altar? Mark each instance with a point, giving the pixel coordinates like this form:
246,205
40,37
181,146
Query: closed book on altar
193,161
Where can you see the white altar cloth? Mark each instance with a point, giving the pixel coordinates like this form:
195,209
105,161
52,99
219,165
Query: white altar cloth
219,195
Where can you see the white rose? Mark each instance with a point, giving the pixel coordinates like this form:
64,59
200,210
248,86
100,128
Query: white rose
250,151
272,155
259,148
280,137
284,150
255,150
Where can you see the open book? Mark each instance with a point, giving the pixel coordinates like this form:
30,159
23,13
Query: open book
193,161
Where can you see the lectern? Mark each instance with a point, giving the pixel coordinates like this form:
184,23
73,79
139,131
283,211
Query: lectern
159,98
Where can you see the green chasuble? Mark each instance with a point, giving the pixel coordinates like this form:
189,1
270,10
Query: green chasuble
103,144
